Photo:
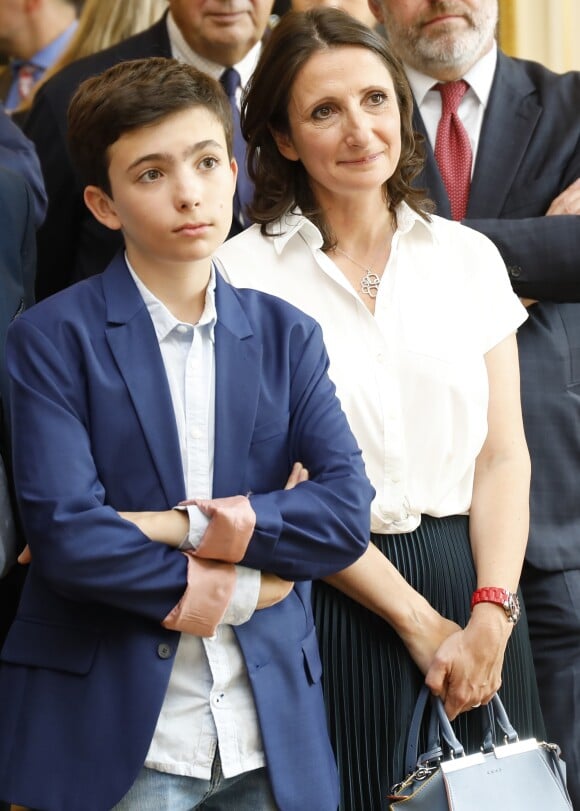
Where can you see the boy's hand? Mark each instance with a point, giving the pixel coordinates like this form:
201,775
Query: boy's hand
166,526
25,556
272,590
298,474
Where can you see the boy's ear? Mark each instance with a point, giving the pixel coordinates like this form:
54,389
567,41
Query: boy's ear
285,145
377,9
235,170
102,207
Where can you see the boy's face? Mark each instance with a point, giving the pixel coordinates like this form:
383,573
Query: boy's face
172,185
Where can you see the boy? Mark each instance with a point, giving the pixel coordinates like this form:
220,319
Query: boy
142,675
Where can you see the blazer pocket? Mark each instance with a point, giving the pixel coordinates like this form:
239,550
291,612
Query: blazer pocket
54,647
311,652
271,429
570,314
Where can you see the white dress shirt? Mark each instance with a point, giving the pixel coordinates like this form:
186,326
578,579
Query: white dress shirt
472,106
209,700
412,377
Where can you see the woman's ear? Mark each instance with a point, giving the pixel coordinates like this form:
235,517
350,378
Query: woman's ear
102,207
285,145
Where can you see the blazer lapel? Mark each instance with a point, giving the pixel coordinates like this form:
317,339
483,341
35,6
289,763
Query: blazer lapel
238,364
508,125
133,342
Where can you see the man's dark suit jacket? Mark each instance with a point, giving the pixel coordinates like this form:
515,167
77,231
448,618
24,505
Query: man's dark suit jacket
529,152
17,265
72,245
18,154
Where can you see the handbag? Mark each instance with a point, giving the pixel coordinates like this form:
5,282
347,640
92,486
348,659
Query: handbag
520,775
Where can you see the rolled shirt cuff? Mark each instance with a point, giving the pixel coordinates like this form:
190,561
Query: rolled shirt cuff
231,525
210,588
245,596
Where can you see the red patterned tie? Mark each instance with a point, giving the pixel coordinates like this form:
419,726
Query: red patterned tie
25,76
452,148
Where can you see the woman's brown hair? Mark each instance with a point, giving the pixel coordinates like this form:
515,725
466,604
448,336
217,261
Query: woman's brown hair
281,184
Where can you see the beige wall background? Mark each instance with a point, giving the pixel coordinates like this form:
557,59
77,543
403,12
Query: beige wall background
545,30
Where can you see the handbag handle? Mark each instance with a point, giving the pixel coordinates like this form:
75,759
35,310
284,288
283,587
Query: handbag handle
440,727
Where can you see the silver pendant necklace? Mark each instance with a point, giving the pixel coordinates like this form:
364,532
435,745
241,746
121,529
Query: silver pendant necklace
369,283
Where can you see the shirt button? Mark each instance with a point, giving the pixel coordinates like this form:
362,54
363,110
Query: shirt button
182,328
380,358
196,433
164,650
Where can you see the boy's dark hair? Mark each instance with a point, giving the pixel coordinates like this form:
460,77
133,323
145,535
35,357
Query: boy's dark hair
134,94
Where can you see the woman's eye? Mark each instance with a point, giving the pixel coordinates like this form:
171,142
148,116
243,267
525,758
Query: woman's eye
321,113
377,98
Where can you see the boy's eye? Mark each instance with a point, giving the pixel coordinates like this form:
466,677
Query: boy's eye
149,176
208,162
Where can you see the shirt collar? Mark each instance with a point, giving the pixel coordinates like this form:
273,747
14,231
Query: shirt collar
479,77
164,321
44,58
294,224
184,53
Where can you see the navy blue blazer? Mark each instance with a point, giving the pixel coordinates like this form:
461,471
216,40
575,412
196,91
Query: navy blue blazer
529,152
72,245
86,663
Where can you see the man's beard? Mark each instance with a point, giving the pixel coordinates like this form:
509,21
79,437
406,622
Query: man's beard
445,48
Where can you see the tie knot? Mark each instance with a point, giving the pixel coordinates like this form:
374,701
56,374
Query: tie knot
230,81
25,76
451,94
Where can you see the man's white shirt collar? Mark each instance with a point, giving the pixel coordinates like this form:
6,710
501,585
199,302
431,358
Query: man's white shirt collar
479,78
181,51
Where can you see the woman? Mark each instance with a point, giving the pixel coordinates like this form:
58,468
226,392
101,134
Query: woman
419,321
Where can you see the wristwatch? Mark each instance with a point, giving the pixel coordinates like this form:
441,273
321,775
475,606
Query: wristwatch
506,599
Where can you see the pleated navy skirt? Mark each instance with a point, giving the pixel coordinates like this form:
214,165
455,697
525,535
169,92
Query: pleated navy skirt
370,681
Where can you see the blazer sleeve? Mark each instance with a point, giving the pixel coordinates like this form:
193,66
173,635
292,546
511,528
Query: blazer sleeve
541,253
81,547
322,525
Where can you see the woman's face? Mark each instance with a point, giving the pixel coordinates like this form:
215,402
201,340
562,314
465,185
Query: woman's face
344,121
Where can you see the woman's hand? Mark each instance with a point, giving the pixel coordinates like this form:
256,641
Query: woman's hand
428,632
466,670
297,475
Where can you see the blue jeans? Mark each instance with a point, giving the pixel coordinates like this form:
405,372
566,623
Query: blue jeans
158,791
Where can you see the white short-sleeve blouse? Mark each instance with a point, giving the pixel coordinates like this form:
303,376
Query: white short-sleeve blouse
412,377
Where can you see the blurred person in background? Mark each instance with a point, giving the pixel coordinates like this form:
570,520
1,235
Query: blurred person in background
102,23
32,37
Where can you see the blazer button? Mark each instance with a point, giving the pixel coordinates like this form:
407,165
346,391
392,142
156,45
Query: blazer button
164,650
514,271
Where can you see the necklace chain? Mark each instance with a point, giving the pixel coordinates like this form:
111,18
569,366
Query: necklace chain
369,283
